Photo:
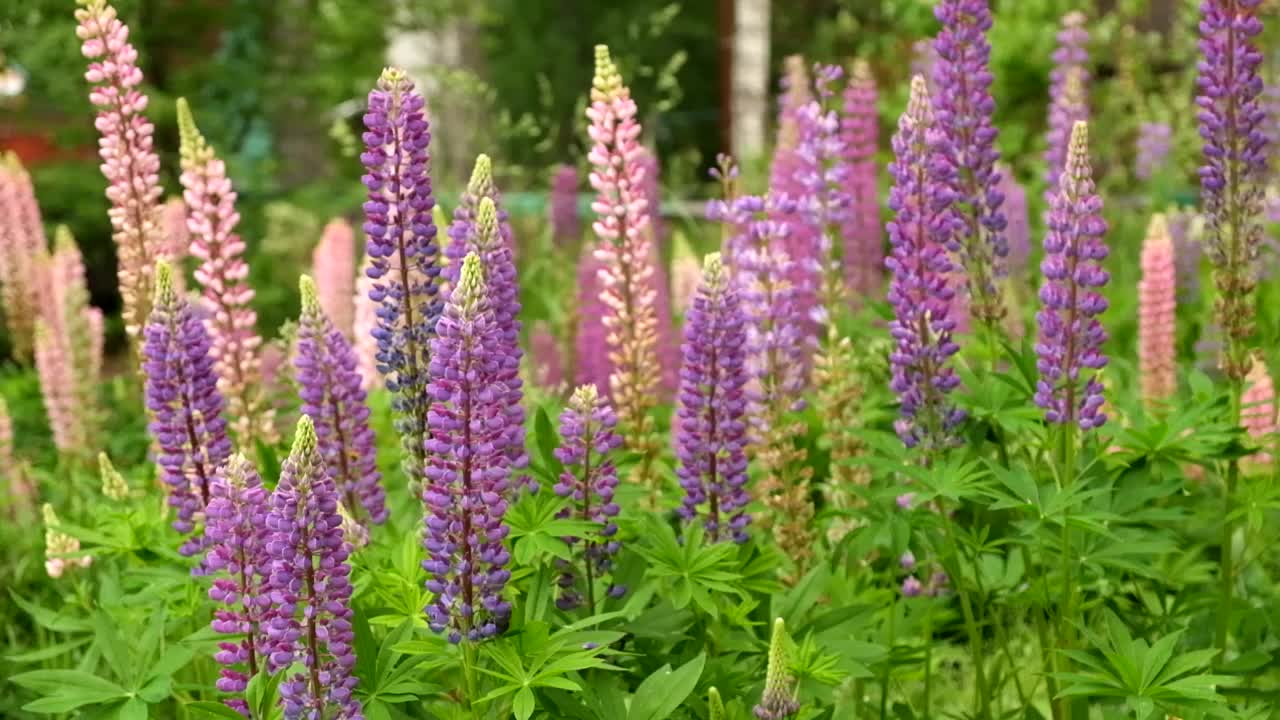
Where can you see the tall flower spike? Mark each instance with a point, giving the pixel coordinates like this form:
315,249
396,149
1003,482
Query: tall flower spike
185,405
177,238
779,698
863,234
364,324
58,543
566,223
466,215
1068,96
785,175
923,226
1071,337
310,588
1235,164
1258,409
129,161
666,344
114,486
589,479
222,276
964,108
236,535
403,256
711,419
334,264
53,367
22,243
622,224
329,384
468,475
1018,223
1157,315
590,365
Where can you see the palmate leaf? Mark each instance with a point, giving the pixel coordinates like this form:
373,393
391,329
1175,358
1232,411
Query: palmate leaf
66,690
691,571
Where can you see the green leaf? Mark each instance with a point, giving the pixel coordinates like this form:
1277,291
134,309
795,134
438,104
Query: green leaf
523,705
67,689
48,652
134,709
209,710
665,690
548,439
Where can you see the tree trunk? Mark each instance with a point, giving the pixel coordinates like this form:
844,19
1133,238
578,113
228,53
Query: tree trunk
750,77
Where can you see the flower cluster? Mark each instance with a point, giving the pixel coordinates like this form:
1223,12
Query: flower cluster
778,701
185,404
334,263
22,243
462,231
223,277
364,322
469,472
1258,409
114,486
587,429
1071,337
566,223
1068,95
862,232
329,385
58,545
1017,222
1157,315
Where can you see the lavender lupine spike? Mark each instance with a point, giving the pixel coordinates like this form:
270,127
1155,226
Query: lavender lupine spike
1068,96
863,233
778,701
1154,142
964,108
129,161
329,380
468,477
404,261
1186,228
587,427
1018,223
1235,150
236,535
310,588
566,223
334,264
223,278
1069,348
462,239
185,404
711,420
923,226
22,242
364,323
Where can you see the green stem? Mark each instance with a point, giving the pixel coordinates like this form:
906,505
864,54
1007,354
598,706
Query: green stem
1003,638
928,658
1226,570
888,666
1065,614
982,703
469,678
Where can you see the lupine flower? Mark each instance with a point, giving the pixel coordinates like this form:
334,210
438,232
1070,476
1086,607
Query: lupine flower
478,226
185,404
923,227
468,477
58,543
177,238
334,264
924,57
842,375
686,275
329,384
1018,222
7,458
1271,128
1157,315
907,561
711,418
1186,228
905,500
862,232
1068,95
566,224
796,92
666,345
912,587
222,276
1235,150
587,429
622,224
310,588
1258,409
404,262
15,478
114,486
22,243
964,107
779,698
236,534
129,161
1154,141
1071,337
53,367
364,323
590,365
548,360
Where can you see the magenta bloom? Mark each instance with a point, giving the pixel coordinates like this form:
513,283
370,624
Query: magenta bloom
591,366
566,222
548,360
334,263
863,234
185,404
923,227
1018,222
329,383
1068,95
1071,337
1157,314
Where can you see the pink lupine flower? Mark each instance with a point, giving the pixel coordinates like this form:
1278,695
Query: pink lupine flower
1157,307
334,263
591,366
862,232
57,543
54,371
365,319
129,161
22,242
1258,416
15,481
686,273
222,276
173,220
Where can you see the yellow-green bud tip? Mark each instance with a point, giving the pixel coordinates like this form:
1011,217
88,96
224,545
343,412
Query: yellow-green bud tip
481,176
487,224
310,297
584,398
304,438
190,142
49,516
470,283
713,272
237,469
715,705
63,239
607,81
165,294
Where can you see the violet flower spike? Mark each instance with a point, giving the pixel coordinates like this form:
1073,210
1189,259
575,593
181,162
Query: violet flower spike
310,588
329,383
468,477
185,405
1068,96
1071,337
923,227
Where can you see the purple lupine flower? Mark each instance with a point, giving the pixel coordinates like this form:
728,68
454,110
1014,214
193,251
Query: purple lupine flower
924,56
912,587
484,230
329,383
587,427
1270,101
185,404
566,222
403,257
236,536
1187,253
1071,337
1068,96
1018,222
923,226
651,190
666,344
778,701
548,358
1235,150
710,425
468,474
964,108
1154,142
907,561
310,587
863,234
